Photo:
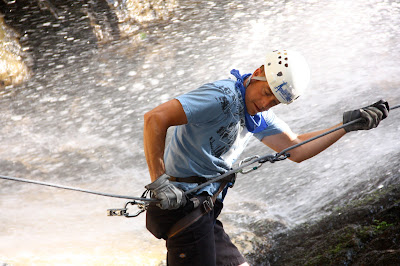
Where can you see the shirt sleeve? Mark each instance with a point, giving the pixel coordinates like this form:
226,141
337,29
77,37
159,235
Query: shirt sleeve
204,104
275,125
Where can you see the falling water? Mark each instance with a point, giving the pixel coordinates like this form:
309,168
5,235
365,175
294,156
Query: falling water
80,123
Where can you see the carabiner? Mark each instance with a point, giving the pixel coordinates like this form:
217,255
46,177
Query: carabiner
249,159
142,206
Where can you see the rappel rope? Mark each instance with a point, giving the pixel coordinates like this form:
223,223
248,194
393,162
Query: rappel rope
282,155
143,201
73,188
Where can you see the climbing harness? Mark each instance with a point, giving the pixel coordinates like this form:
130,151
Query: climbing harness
205,207
143,202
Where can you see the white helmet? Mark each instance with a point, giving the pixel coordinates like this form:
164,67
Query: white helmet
287,74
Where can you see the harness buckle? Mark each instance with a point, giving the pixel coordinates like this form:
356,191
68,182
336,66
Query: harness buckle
208,204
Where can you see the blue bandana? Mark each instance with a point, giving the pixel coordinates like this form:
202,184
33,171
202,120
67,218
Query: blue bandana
254,123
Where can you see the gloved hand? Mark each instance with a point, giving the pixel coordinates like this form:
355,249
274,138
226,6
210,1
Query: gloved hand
170,196
371,116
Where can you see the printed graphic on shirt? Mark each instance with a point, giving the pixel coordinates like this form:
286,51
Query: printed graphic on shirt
227,136
224,104
228,133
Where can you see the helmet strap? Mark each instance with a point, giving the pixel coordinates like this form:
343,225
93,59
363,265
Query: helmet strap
259,78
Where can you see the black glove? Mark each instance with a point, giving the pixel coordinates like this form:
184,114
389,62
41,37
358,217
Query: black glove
371,116
169,195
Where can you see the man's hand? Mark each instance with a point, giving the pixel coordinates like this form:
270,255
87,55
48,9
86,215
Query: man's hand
371,116
170,196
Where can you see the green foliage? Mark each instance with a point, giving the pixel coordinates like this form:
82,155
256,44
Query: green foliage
381,225
142,35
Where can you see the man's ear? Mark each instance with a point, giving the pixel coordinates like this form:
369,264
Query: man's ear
259,72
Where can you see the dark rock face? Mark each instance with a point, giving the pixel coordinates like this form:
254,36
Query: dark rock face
54,33
49,29
366,232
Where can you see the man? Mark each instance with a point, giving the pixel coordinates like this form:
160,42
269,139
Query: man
213,125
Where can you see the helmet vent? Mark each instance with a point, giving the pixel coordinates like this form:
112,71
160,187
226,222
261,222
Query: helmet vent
280,62
286,65
279,74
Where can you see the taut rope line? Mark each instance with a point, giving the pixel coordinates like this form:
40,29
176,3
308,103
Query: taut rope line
73,188
258,159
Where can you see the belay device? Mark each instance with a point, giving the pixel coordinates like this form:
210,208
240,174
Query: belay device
124,211
142,206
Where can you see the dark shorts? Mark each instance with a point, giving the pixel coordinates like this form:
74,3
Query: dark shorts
202,243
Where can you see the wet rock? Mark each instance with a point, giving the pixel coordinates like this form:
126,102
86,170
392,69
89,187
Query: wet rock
13,69
365,232
53,31
56,34
144,11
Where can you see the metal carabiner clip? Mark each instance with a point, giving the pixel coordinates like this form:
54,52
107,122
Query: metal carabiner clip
124,211
249,159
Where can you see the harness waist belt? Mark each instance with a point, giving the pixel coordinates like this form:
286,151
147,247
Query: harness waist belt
205,206
200,179
190,179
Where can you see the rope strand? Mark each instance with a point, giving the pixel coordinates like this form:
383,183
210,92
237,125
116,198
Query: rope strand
262,159
74,189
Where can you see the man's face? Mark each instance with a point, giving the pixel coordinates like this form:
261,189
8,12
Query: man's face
259,97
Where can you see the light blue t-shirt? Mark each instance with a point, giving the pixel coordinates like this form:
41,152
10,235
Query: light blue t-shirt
215,134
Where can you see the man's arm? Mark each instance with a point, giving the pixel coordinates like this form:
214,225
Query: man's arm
156,124
370,118
284,140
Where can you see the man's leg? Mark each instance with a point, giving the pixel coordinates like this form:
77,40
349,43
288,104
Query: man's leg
195,245
227,252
